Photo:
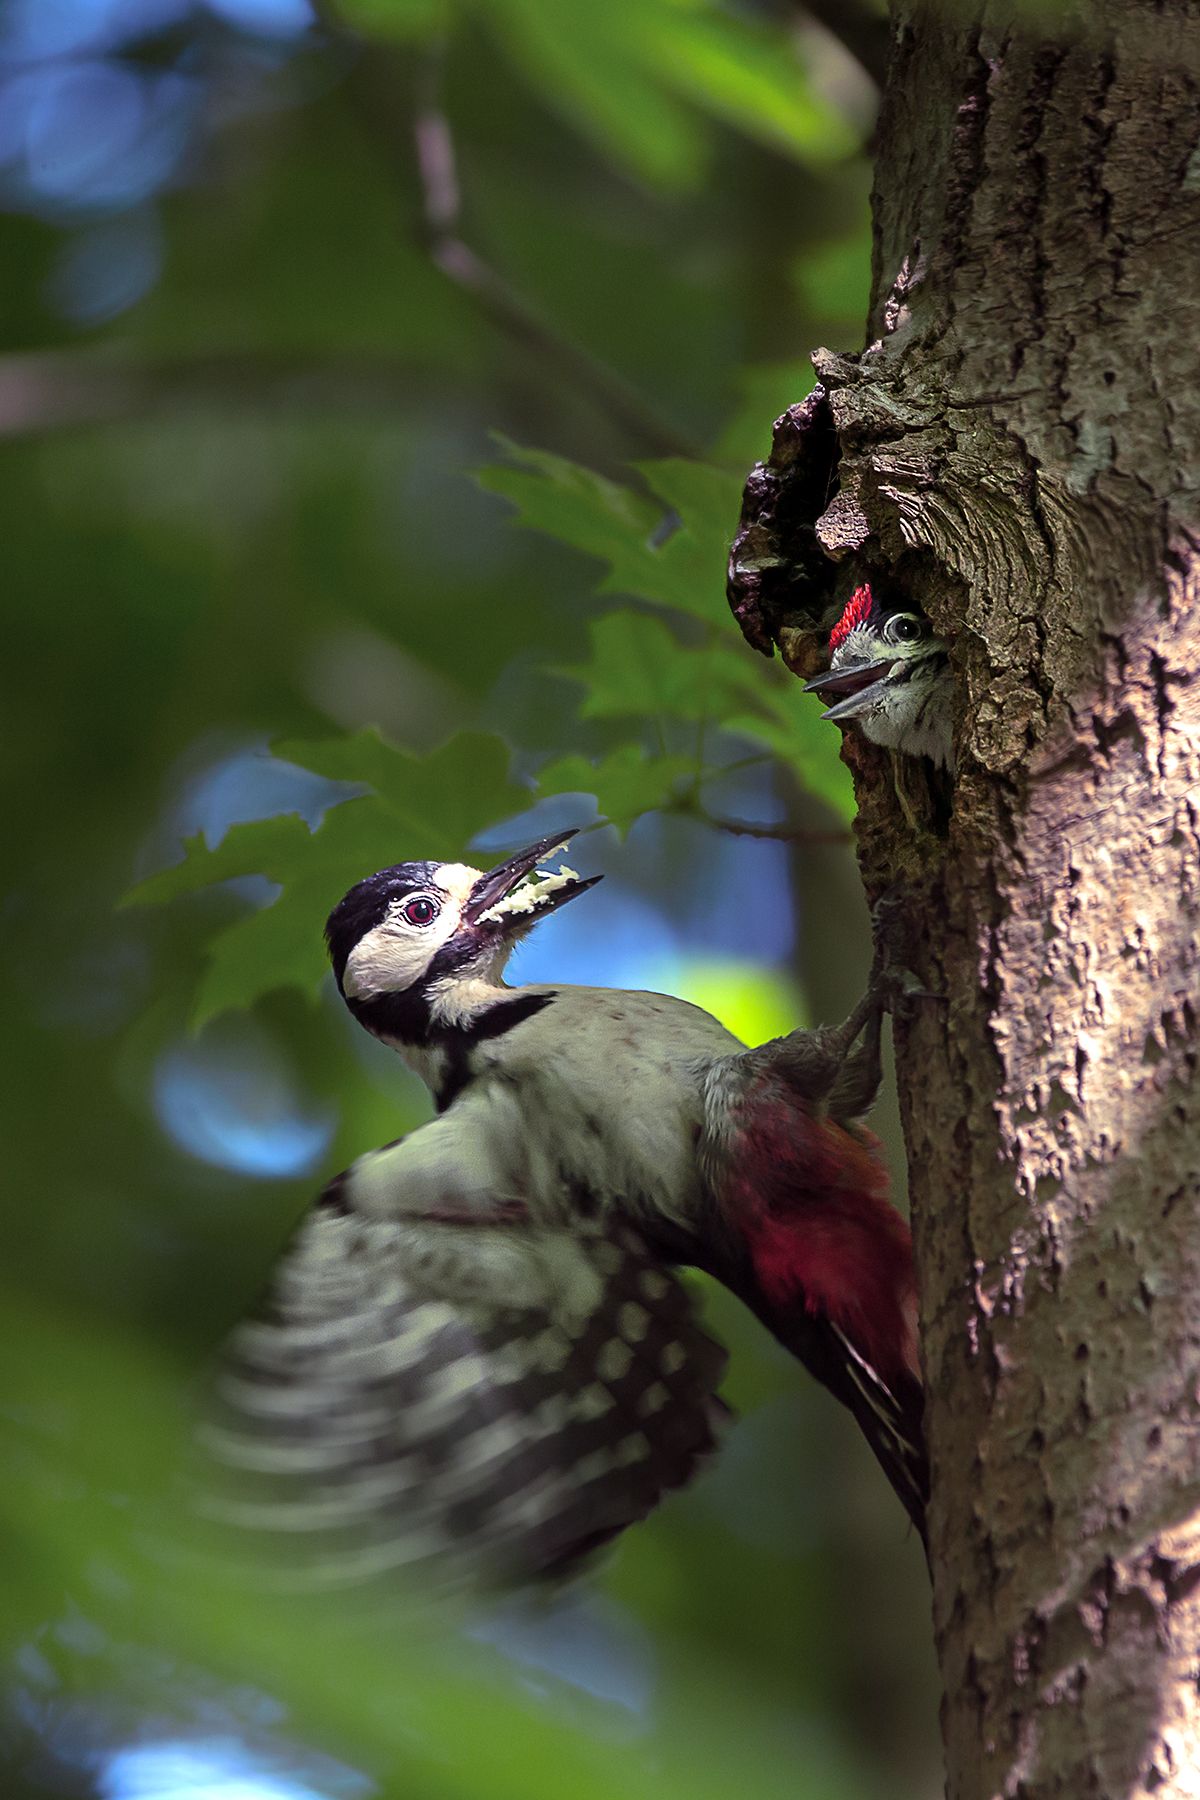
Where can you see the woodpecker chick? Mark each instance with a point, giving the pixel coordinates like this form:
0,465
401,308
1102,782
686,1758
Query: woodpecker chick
894,676
476,1356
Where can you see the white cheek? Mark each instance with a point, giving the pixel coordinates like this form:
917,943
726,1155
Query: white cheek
390,958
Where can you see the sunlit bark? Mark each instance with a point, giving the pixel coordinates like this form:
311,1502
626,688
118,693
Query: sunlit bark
1018,450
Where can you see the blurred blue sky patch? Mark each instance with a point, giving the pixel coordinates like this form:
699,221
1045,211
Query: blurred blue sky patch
96,134
106,267
214,1769
230,1099
672,890
580,1638
273,18
45,28
89,133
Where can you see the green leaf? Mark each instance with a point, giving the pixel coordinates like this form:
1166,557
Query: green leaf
708,501
439,801
681,565
265,847
639,668
626,783
407,21
795,732
279,945
571,503
422,807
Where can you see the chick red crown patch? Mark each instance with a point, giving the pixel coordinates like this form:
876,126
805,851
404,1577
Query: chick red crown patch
857,612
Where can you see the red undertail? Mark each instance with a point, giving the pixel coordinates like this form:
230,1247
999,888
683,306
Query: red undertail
811,1198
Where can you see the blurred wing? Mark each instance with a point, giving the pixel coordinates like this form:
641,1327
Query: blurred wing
470,1397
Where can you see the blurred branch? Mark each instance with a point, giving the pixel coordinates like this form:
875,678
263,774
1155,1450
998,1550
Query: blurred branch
859,29
782,834
498,301
45,390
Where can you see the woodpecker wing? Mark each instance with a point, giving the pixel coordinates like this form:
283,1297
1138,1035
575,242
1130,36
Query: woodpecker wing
439,1385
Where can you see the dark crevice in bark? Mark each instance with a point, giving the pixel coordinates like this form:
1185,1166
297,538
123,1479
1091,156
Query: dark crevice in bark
966,150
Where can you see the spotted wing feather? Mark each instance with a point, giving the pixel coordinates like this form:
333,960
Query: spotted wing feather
471,1401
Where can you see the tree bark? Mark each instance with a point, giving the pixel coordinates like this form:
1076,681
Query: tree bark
1018,450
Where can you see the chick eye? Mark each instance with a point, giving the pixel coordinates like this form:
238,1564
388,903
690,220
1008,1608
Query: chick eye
421,911
904,628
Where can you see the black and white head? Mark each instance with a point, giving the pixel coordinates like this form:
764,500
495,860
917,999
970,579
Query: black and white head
419,948
893,677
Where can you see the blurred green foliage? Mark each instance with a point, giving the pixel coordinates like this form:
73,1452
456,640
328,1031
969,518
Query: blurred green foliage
258,502
643,79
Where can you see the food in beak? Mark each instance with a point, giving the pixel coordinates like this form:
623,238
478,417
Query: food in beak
531,891
518,889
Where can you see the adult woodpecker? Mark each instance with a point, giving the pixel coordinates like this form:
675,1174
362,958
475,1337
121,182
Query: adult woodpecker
475,1354
894,676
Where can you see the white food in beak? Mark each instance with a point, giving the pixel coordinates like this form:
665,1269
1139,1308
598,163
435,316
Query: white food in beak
537,886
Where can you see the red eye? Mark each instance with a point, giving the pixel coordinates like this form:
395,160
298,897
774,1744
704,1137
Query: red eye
421,911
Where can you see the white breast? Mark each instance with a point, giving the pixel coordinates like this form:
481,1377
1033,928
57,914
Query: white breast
605,1088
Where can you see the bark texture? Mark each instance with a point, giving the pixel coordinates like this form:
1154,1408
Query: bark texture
1018,449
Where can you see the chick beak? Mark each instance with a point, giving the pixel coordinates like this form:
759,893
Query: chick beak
859,684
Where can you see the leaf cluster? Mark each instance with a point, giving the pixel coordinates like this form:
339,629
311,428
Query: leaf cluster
675,689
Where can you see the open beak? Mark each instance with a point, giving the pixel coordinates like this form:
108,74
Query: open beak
505,897
860,685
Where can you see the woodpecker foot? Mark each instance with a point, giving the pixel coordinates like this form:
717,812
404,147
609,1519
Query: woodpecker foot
855,1054
897,990
909,987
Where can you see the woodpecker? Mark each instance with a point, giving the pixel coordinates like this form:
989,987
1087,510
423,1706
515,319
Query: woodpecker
895,677
476,1355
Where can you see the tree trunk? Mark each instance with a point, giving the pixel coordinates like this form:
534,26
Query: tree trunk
1018,450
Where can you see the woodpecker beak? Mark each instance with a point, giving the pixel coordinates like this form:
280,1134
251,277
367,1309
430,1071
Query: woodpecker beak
861,684
506,898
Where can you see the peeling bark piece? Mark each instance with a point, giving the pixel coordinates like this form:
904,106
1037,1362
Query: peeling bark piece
780,578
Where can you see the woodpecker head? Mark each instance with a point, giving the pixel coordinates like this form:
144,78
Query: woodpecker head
889,671
411,945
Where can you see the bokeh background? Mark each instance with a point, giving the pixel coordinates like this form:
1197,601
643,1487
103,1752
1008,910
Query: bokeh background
375,396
